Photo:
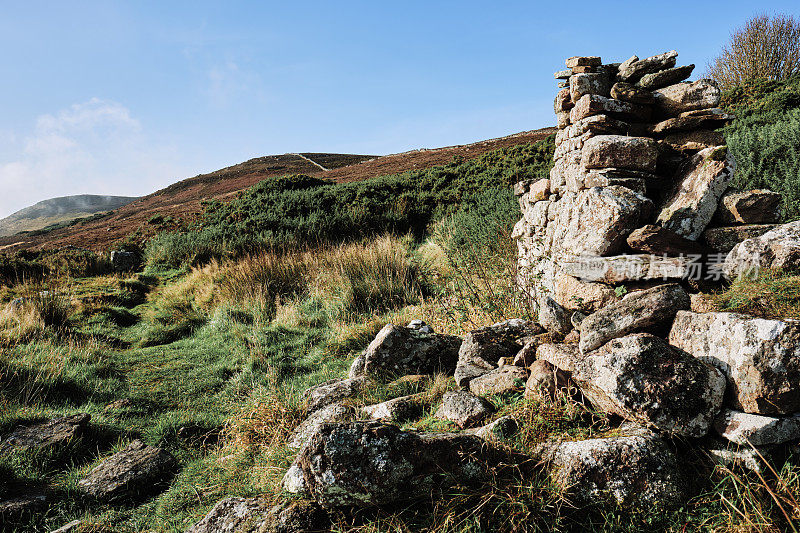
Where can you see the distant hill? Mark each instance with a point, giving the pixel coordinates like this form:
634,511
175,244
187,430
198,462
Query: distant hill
60,210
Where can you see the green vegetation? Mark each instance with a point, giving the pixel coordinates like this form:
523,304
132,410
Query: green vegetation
765,138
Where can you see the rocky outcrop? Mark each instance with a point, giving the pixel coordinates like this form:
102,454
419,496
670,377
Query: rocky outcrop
643,379
760,358
776,249
137,470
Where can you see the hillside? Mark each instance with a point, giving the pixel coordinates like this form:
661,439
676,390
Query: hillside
181,201
60,210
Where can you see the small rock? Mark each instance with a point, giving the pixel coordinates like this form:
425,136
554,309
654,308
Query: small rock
553,317
562,74
135,471
695,140
239,515
732,456
499,381
545,380
631,93
332,391
778,248
297,517
630,267
463,408
397,351
658,240
583,61
55,433
594,104
397,409
591,83
420,325
572,293
619,151
562,356
725,239
70,526
757,430
643,309
335,412
500,430
21,505
749,207
294,480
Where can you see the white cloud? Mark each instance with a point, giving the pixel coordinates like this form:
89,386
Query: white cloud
94,147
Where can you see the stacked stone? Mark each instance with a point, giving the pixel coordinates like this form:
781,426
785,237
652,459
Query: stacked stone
636,146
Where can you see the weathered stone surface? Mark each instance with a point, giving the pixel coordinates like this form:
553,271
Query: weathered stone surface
563,119
734,456
21,506
700,182
692,120
562,101
137,470
539,190
594,83
500,430
778,248
294,481
694,141
397,409
398,350
634,70
596,221
658,240
572,293
562,74
583,61
657,80
631,267
759,357
332,391
702,303
682,97
596,124
508,378
335,412
594,104
637,311
643,379
757,430
463,408
749,207
420,325
608,177
619,151
637,470
483,347
254,515
545,380
369,464
626,92
52,434
68,527
553,317
561,356
124,261
724,239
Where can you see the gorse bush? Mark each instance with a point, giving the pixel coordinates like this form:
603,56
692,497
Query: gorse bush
296,211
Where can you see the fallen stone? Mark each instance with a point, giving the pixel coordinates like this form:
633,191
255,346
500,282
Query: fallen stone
297,517
545,380
636,312
500,430
335,412
20,506
594,104
700,182
138,470
626,92
724,239
562,356
778,248
52,434
759,357
583,61
463,408
502,380
619,151
636,471
658,80
483,347
397,409
634,70
371,464
572,293
749,207
694,141
632,267
332,391
398,350
553,317
254,515
527,354
658,240
643,379
581,84
757,430
686,96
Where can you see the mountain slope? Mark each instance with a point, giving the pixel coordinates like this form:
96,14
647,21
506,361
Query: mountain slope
60,210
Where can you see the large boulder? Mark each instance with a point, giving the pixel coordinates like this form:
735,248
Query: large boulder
51,435
643,379
687,96
760,358
483,348
758,206
757,430
778,249
332,391
726,238
463,408
365,464
635,469
398,351
638,311
700,182
135,471
620,151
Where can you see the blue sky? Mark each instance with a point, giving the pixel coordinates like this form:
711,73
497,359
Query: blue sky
128,97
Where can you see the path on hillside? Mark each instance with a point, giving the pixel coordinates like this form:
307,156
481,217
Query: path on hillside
311,161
